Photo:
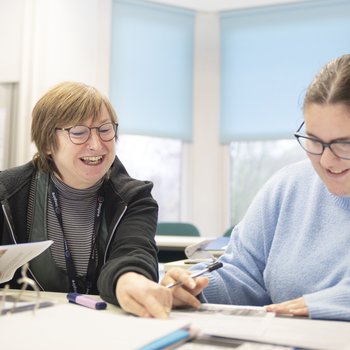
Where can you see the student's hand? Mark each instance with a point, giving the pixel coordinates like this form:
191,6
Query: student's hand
185,294
296,307
142,297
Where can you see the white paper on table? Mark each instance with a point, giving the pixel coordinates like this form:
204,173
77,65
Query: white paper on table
70,326
216,319
287,331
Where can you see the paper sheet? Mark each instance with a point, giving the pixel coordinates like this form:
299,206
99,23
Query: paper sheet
70,326
16,255
216,319
287,331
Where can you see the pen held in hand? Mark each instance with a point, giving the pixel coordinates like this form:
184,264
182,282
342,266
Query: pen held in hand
209,268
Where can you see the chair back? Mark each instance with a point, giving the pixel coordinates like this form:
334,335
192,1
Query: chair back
177,229
228,232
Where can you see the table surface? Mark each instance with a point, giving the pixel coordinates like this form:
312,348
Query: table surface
58,298
66,325
177,242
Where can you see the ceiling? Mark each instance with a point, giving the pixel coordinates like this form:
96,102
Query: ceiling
222,5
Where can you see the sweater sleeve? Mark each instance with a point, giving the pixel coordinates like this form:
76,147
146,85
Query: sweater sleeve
241,280
331,303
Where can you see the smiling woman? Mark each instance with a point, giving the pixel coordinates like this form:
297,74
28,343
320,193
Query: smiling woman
77,193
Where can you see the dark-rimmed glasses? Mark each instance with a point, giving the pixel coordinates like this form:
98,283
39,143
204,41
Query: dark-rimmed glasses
79,134
340,149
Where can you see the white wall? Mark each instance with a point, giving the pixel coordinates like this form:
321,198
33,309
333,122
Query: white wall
11,19
48,41
222,5
71,42
208,159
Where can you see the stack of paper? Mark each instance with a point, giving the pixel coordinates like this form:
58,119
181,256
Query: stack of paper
266,328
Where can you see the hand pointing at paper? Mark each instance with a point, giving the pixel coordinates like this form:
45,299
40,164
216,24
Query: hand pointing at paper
143,297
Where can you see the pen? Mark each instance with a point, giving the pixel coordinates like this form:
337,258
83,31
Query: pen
87,301
214,266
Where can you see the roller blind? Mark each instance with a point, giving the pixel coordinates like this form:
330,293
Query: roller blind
152,69
268,58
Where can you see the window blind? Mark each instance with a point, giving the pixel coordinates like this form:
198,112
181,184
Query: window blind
152,69
268,58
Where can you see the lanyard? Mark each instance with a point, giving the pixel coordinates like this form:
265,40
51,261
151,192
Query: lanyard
91,269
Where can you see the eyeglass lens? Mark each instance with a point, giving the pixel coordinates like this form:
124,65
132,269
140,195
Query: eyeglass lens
80,134
340,149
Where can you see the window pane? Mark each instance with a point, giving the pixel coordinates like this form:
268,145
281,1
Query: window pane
252,164
157,160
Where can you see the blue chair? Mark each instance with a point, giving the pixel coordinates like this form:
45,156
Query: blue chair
228,232
176,229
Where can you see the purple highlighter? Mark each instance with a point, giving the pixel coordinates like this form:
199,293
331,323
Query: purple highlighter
86,300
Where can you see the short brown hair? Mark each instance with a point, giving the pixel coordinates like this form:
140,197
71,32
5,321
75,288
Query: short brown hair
68,103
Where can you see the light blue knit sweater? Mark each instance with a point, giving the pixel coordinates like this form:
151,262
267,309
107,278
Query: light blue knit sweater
293,241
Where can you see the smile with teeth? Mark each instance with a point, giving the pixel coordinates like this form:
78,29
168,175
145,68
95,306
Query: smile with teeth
92,160
336,172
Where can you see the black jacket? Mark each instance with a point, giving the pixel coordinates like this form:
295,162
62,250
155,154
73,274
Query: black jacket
130,215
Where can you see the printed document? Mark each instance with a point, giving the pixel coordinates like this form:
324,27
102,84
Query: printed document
254,324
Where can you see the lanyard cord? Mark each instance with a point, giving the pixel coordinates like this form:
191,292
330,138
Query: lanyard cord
91,269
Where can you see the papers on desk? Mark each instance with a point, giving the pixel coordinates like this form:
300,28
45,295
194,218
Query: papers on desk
208,248
212,319
265,328
66,326
204,251
70,326
16,255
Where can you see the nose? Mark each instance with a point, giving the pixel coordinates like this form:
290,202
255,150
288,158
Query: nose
328,157
94,141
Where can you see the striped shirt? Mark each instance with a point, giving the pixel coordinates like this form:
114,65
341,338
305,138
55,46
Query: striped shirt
78,208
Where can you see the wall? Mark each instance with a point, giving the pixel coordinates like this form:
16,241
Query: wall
46,42
208,181
11,19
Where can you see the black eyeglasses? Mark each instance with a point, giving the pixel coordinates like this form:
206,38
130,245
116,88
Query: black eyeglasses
340,149
79,134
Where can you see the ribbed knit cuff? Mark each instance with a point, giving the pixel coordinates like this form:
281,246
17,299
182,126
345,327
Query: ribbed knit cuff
328,305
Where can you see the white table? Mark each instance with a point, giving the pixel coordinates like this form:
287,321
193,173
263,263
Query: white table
177,242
